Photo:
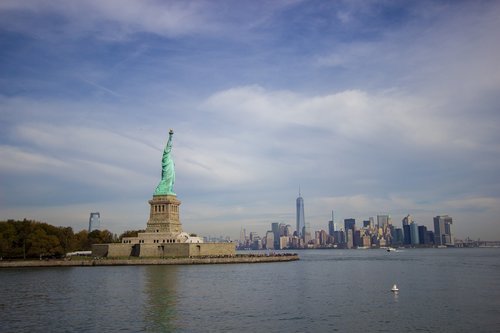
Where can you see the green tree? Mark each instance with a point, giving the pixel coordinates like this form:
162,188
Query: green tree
28,239
40,244
8,239
82,241
101,237
24,229
130,233
67,239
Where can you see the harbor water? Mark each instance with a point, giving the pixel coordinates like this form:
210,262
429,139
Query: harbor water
440,290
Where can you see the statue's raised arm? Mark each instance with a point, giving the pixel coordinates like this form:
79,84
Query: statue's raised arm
168,147
170,136
166,185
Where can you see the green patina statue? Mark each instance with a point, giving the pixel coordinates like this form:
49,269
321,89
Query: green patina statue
166,185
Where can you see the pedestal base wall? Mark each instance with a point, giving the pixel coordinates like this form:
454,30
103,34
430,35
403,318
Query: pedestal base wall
163,250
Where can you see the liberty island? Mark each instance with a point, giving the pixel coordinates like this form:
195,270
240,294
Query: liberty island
163,241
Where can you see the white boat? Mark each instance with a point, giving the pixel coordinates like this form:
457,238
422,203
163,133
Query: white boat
394,288
391,249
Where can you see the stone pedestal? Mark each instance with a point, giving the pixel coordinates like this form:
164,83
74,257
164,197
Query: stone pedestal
164,215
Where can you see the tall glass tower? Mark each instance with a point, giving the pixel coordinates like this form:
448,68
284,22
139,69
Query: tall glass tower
94,221
301,223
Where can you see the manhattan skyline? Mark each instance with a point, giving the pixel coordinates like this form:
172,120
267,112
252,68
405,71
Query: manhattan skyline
372,107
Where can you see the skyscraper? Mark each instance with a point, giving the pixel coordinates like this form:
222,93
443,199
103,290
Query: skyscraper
350,238
94,221
423,236
350,224
407,220
331,225
243,236
442,230
383,220
275,227
398,238
414,239
331,228
301,221
270,240
308,235
407,234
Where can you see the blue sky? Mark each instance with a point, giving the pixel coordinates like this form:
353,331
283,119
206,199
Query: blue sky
371,107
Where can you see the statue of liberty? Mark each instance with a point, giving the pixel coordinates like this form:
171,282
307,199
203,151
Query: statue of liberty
166,185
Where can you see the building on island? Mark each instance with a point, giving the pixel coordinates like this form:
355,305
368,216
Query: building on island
164,236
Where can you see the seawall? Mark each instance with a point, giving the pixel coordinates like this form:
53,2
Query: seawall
239,259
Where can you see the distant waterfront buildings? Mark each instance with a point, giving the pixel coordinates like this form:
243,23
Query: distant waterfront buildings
94,221
370,235
350,237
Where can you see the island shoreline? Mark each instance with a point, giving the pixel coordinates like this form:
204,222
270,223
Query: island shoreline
78,262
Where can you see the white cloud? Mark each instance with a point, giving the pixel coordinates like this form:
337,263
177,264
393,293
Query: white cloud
91,142
119,19
350,114
80,155
218,167
19,161
125,16
480,203
398,117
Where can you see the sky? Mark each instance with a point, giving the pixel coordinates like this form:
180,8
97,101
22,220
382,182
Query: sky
369,107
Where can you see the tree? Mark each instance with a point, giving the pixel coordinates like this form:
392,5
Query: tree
40,244
67,239
130,233
8,239
28,239
24,229
82,242
101,237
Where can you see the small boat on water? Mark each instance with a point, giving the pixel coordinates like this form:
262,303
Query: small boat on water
391,249
394,288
